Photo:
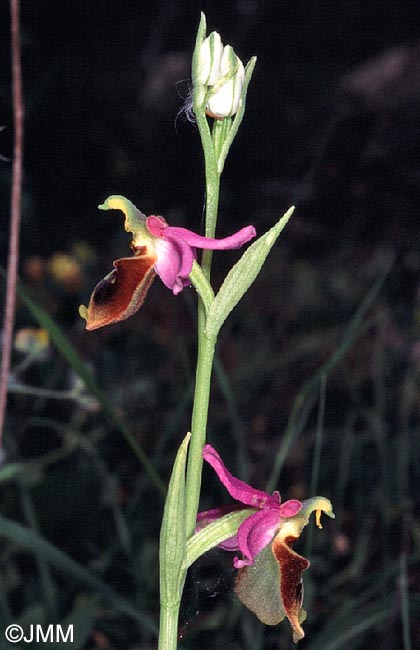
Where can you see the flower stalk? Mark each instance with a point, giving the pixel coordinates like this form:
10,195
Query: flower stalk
205,358
206,346
168,626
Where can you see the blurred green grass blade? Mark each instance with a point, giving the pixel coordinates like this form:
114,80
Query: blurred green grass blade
372,586
237,425
48,587
351,333
31,615
34,543
317,453
64,346
82,621
82,618
340,632
405,601
70,354
10,471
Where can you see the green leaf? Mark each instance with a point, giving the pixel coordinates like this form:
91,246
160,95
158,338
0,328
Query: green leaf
215,533
29,540
241,276
172,534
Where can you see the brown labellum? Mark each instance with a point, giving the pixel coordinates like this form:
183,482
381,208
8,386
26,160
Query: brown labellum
122,292
292,566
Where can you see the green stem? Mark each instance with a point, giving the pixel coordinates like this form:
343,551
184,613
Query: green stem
205,345
200,278
212,186
168,627
198,425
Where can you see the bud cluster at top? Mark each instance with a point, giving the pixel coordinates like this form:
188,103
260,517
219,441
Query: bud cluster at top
222,72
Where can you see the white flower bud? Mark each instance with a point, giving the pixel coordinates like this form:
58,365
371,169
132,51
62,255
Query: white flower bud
210,57
225,95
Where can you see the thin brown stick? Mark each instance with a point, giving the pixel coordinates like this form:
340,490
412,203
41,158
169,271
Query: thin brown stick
15,209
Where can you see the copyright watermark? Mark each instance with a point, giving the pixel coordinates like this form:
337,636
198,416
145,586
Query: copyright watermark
39,633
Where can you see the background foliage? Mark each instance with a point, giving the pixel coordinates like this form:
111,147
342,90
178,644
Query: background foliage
318,369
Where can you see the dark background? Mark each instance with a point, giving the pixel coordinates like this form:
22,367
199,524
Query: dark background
103,82
333,126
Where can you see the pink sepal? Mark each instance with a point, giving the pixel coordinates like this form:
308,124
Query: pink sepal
238,489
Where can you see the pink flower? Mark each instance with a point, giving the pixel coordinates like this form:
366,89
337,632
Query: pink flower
159,249
175,249
257,530
270,578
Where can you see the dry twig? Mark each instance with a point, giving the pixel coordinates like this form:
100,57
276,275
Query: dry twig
15,209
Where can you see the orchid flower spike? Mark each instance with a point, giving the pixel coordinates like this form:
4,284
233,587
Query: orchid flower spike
270,572
160,249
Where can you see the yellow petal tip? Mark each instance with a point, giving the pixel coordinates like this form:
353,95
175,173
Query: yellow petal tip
116,202
83,312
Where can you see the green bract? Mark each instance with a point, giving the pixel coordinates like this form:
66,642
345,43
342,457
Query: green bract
172,534
241,276
214,534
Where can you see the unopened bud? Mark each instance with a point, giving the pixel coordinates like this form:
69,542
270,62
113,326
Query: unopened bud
225,95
